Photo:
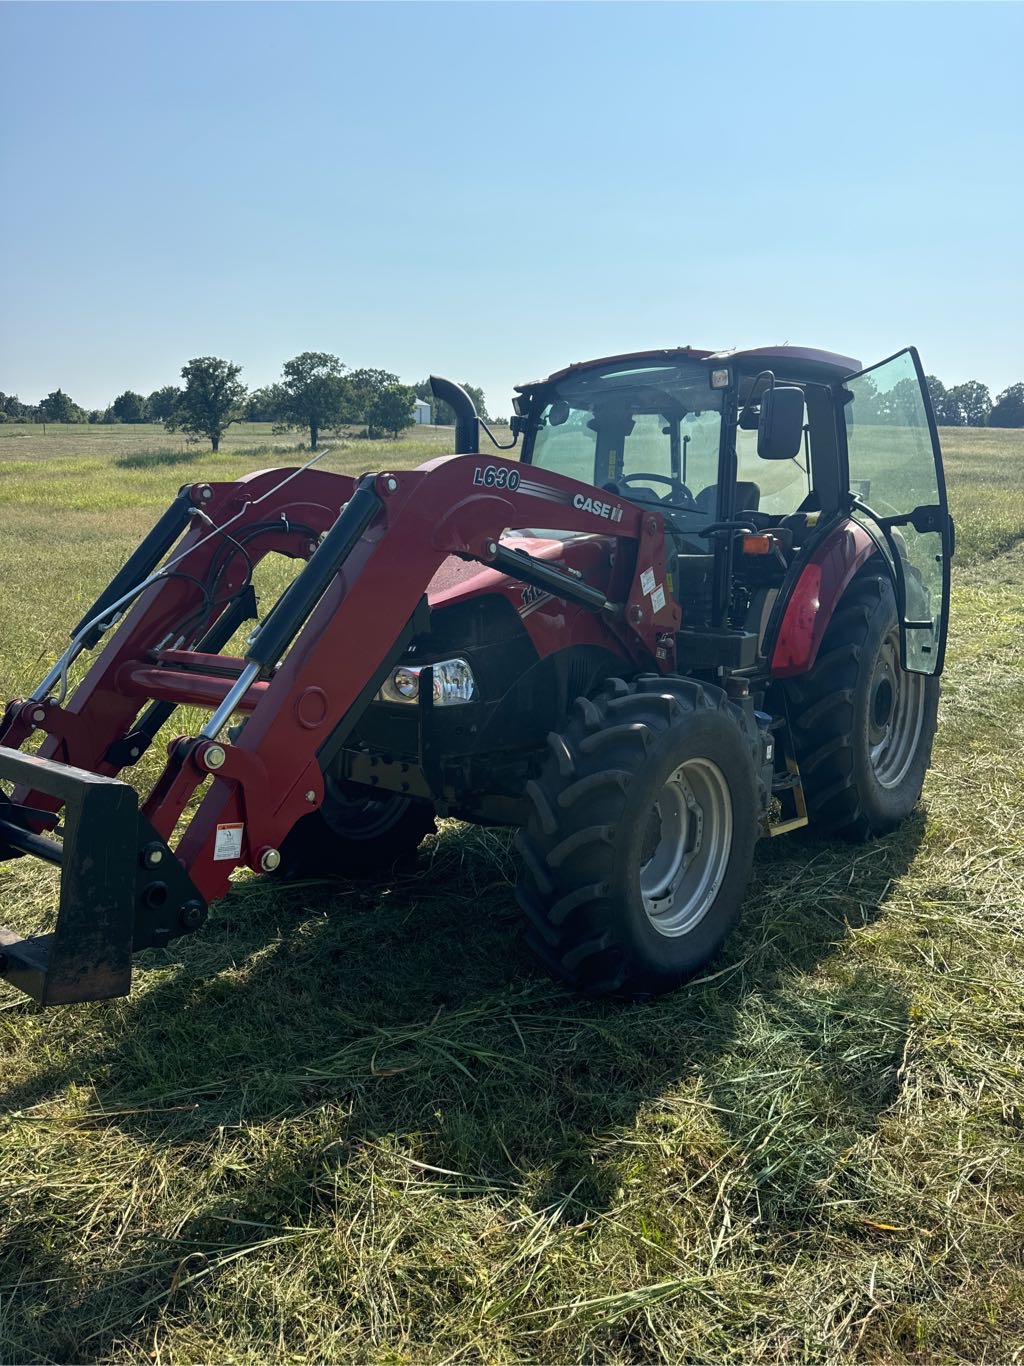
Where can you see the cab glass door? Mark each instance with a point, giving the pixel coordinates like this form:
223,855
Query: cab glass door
898,492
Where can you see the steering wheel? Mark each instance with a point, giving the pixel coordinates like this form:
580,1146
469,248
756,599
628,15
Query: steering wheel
677,489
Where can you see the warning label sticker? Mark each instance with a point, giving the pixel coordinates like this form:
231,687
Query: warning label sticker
647,581
658,599
228,843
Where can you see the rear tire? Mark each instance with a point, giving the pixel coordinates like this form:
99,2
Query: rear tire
356,832
639,846
862,727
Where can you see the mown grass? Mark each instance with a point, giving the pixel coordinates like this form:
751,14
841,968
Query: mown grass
354,1122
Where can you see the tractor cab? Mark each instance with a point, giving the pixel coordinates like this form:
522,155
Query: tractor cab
752,457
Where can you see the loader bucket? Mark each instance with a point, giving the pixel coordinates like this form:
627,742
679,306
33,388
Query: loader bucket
121,887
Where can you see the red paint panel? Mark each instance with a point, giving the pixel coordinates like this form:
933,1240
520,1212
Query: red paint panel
551,623
817,593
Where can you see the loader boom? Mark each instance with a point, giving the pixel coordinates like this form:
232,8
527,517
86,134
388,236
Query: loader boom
311,667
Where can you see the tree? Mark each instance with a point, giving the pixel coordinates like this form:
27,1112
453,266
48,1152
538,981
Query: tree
441,413
947,409
365,387
974,401
313,393
948,413
895,405
264,404
936,392
479,402
58,407
1008,410
11,408
212,399
162,402
391,410
129,407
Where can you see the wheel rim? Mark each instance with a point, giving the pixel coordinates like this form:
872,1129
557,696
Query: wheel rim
686,847
361,818
896,705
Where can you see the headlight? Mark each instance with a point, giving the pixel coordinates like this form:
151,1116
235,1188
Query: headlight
406,683
453,683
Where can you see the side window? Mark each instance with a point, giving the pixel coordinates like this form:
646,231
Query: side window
783,484
892,465
896,474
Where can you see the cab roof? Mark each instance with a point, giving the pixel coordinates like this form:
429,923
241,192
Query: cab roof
795,362
792,362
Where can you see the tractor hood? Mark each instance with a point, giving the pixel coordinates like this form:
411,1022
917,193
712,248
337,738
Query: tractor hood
457,580
545,617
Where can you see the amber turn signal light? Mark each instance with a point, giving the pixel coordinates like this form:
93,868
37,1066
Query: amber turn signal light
758,545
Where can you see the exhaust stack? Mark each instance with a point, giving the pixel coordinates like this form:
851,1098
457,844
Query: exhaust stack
467,424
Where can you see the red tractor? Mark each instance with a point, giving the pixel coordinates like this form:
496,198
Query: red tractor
707,603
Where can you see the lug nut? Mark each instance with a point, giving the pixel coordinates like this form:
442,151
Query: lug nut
269,860
214,756
193,913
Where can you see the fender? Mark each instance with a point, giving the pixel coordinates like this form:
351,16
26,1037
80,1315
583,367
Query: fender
816,595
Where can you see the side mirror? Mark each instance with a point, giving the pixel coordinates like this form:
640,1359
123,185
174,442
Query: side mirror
780,428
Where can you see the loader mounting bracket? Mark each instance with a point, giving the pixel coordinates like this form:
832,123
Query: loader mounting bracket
121,887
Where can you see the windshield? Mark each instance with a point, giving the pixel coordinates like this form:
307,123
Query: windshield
649,432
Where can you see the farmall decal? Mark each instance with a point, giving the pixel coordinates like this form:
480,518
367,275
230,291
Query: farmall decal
532,599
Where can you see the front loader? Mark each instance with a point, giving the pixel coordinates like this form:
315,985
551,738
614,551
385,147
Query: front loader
707,603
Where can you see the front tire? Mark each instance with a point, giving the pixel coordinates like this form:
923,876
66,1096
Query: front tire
862,727
639,846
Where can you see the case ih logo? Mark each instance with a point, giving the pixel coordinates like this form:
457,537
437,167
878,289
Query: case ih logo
491,476
612,511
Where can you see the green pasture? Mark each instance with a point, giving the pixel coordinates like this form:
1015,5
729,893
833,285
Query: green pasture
352,1122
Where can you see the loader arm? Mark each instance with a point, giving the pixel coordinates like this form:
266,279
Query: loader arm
311,667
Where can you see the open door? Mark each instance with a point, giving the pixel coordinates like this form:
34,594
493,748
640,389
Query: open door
897,490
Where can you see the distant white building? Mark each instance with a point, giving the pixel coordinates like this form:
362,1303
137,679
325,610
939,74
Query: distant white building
421,410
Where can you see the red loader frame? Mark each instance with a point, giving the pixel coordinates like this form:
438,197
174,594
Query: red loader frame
311,667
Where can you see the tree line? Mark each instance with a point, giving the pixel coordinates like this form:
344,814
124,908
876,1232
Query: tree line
971,405
964,405
316,393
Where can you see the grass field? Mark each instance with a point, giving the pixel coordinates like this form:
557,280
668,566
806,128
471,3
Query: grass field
357,1123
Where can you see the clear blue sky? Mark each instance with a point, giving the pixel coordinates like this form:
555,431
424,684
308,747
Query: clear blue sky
490,191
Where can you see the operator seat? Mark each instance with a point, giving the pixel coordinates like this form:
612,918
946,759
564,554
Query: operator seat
748,497
694,560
